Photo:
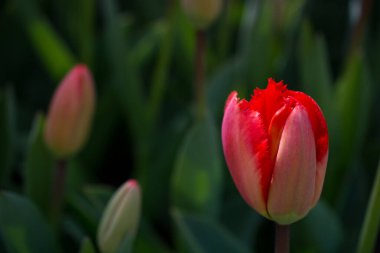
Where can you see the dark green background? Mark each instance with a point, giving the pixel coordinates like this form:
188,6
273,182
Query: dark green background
141,53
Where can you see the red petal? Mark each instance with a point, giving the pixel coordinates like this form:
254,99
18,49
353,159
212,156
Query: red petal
292,190
268,101
318,123
277,125
246,149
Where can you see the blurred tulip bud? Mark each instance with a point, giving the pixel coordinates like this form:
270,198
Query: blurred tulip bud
70,113
276,148
202,12
120,219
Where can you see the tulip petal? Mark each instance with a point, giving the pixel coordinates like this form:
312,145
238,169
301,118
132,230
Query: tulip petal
319,179
245,143
319,125
291,194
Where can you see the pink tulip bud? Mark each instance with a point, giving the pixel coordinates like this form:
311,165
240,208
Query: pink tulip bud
276,148
202,12
121,218
70,113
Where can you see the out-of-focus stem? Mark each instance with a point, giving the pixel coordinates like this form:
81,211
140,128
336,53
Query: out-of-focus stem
58,190
282,238
199,69
371,223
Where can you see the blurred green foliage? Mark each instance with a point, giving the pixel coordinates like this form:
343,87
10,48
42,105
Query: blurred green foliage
141,53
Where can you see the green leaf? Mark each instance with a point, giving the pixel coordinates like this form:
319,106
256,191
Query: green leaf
51,49
87,246
161,73
314,70
311,232
353,102
86,207
259,46
22,227
39,167
49,46
148,241
7,124
201,235
221,84
371,226
123,72
239,218
197,178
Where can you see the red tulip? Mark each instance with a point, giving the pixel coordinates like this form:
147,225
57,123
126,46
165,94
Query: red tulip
276,148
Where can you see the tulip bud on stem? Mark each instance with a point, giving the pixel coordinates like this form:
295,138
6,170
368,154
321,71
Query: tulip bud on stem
199,69
58,190
282,238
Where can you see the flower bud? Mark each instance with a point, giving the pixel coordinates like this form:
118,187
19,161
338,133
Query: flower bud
276,148
120,219
202,12
70,113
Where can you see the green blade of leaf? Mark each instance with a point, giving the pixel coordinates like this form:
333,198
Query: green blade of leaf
310,233
39,167
22,226
197,178
7,112
87,246
49,46
201,235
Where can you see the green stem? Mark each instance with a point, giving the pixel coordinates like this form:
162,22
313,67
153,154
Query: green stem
58,191
199,69
370,227
282,238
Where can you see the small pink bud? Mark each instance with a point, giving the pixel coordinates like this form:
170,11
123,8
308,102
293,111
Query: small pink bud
121,218
276,148
70,113
202,12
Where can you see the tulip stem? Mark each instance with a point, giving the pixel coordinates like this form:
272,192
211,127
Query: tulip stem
199,69
58,190
282,238
371,223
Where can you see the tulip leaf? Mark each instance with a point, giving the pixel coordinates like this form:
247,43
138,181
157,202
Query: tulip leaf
200,235
197,176
23,229
123,72
238,217
310,233
156,178
148,241
87,246
259,60
79,16
221,84
7,112
86,207
51,49
315,73
353,102
103,127
39,167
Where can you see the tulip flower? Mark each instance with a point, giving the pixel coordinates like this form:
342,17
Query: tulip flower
70,113
202,12
121,218
276,149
